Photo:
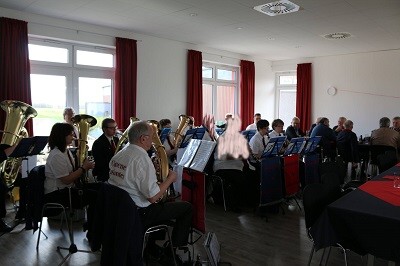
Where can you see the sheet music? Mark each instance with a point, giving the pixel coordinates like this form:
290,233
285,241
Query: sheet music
203,155
189,153
212,248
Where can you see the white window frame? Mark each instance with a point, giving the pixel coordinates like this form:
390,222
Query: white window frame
285,87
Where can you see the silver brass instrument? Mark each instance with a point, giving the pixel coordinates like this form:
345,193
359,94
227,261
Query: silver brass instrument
161,159
83,123
184,121
17,115
124,138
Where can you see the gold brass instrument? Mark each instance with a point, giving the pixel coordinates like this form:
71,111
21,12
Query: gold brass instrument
184,121
124,137
161,159
17,115
83,123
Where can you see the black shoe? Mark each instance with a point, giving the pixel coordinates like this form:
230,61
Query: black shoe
5,228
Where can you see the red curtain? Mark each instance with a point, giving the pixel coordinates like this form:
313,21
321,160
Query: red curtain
125,81
247,92
14,65
303,97
194,101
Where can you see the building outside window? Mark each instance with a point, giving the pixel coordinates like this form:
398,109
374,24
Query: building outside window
220,90
67,74
286,96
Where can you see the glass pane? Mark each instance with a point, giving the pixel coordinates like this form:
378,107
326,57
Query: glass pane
48,53
226,74
225,103
95,100
94,59
287,106
207,99
207,72
49,100
287,80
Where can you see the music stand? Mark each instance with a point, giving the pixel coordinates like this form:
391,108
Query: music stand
29,147
312,144
295,146
273,146
248,134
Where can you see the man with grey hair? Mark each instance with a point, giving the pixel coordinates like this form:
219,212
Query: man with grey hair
132,170
384,135
340,125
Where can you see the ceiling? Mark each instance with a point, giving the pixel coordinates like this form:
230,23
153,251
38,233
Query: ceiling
234,26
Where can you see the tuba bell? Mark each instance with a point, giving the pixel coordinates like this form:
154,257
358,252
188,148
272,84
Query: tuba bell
83,123
184,121
124,137
161,159
17,115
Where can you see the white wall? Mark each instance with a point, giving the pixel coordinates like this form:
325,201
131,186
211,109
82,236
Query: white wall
162,63
368,87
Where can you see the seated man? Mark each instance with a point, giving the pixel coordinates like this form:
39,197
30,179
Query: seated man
348,147
257,117
340,126
277,128
384,135
104,148
396,123
328,140
132,170
294,131
259,141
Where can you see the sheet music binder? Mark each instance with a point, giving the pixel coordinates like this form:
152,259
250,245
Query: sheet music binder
29,146
212,248
194,133
164,134
273,146
248,134
197,154
312,144
295,146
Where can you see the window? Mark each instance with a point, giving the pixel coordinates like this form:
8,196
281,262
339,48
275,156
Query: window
286,96
220,91
68,74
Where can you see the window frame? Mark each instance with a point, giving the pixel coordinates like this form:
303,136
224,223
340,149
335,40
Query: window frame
283,87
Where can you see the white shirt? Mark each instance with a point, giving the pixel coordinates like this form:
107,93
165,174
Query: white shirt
274,134
132,170
256,143
252,127
57,165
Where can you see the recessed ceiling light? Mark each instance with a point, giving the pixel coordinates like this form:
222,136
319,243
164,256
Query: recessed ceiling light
239,28
278,8
193,14
271,38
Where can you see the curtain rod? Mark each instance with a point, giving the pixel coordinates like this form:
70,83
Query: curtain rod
77,30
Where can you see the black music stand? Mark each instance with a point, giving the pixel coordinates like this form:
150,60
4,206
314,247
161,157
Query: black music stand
311,145
29,147
248,134
295,146
194,133
273,146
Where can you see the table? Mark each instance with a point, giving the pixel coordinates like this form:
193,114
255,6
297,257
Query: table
366,221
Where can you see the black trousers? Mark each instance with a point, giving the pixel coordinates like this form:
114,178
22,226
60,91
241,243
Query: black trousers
159,213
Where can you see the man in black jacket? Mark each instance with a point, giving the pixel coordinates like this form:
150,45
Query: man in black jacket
294,131
104,148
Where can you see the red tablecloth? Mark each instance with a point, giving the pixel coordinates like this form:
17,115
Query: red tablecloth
383,190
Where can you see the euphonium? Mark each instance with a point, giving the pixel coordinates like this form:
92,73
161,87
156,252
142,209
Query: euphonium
184,121
124,138
161,158
17,115
83,123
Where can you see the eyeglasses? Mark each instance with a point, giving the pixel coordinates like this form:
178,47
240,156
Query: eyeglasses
112,127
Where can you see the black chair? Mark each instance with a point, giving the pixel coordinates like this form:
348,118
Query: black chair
387,158
315,199
118,230
337,166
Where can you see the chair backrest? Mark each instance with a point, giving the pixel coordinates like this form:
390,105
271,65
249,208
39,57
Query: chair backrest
315,199
331,179
380,149
35,196
338,167
386,160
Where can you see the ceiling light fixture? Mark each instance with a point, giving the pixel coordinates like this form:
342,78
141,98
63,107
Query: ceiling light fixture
277,8
337,35
193,14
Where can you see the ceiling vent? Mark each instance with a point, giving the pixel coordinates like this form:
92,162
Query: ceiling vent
337,36
277,8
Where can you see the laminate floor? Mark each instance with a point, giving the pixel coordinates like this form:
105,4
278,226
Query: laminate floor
245,239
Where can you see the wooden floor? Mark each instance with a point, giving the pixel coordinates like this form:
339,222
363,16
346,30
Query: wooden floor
245,239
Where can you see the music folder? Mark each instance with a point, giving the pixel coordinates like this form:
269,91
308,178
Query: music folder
29,146
248,134
164,134
312,144
197,154
295,146
273,146
194,133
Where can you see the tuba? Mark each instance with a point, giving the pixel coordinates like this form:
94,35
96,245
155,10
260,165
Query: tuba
17,115
184,121
161,159
83,123
124,137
